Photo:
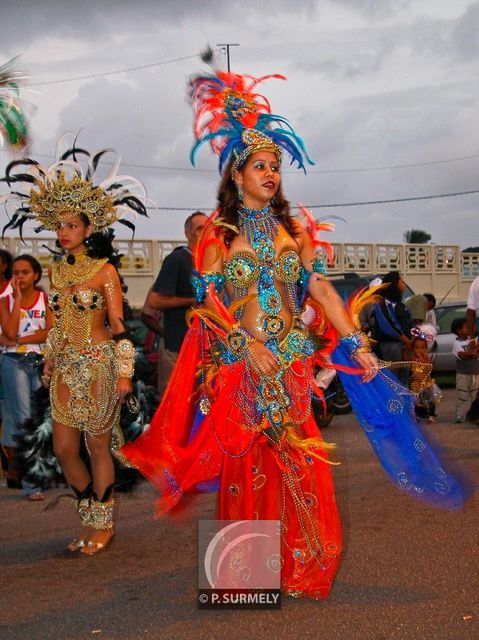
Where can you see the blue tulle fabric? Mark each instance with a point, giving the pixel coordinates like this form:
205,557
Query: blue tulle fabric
385,412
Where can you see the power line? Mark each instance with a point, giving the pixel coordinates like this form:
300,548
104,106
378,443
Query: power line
342,204
109,73
358,170
396,166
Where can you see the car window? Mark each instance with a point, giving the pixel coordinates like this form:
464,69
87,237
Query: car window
446,315
346,288
408,293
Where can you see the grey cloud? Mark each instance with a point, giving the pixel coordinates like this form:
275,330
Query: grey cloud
374,8
466,32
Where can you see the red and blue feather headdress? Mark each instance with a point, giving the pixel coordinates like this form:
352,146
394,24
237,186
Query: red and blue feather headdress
236,120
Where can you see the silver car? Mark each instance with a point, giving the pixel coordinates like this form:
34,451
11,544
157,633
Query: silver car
444,360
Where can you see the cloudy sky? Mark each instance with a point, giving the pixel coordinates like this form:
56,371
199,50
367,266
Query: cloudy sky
373,85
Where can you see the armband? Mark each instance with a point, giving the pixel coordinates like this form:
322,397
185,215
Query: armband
201,282
125,357
318,266
356,342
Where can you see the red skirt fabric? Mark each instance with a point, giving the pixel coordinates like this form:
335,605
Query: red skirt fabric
260,478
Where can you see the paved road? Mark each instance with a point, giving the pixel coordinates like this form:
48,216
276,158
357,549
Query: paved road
408,572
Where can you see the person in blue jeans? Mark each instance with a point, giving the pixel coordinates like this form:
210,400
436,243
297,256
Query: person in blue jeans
25,321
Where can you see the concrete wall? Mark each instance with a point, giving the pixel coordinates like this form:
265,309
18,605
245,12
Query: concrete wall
439,269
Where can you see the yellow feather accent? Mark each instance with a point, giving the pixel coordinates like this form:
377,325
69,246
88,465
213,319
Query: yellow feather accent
220,222
308,445
207,316
361,299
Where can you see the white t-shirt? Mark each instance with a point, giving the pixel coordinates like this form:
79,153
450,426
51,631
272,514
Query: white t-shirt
31,320
459,346
473,296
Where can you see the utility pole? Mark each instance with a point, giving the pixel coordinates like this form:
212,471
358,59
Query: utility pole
227,46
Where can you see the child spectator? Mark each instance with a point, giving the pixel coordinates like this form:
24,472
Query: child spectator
421,381
467,367
430,306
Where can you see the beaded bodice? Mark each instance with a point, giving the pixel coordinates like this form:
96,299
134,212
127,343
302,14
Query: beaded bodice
242,269
73,316
272,274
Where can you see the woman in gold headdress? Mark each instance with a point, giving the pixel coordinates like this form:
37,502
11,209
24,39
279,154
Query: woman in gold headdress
89,360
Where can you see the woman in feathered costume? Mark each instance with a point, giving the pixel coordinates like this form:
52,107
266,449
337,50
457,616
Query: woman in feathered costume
254,381
89,358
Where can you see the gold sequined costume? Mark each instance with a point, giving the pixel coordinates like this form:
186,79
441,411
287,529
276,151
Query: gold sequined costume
83,389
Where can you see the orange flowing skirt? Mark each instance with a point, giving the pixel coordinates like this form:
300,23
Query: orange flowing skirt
259,478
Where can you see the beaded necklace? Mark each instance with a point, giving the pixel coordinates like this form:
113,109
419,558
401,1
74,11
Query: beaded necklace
257,220
83,269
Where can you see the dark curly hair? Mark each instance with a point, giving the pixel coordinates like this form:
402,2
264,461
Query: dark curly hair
229,203
7,258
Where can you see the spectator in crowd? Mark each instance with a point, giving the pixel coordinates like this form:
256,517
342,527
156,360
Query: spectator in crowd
417,306
467,367
472,308
392,324
430,313
25,321
421,381
472,312
5,290
173,294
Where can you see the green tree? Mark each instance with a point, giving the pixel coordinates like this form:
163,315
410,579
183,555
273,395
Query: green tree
417,236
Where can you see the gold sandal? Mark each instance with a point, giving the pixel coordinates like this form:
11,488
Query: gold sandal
91,547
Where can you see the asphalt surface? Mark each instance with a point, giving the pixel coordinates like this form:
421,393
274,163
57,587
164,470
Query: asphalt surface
408,572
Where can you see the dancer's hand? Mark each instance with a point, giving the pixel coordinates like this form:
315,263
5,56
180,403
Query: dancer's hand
262,360
124,386
47,373
369,363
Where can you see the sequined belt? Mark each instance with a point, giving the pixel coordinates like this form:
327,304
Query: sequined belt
103,350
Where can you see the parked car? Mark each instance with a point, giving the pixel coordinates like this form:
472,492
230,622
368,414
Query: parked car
347,283
444,360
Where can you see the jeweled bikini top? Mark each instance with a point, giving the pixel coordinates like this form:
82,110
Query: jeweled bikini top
242,268
73,316
81,300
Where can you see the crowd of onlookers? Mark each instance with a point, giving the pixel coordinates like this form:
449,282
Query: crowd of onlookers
404,332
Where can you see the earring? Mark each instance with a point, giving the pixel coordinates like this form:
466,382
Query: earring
239,189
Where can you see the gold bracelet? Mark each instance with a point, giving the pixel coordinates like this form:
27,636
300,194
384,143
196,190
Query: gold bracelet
125,356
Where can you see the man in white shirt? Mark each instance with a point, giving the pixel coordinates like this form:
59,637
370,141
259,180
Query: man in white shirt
472,307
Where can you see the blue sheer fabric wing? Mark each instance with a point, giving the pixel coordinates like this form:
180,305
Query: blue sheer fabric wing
386,416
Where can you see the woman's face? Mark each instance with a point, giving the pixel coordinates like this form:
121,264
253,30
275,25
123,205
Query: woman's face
401,285
24,275
260,179
72,233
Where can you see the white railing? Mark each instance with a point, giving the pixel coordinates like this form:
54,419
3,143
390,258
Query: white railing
440,269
